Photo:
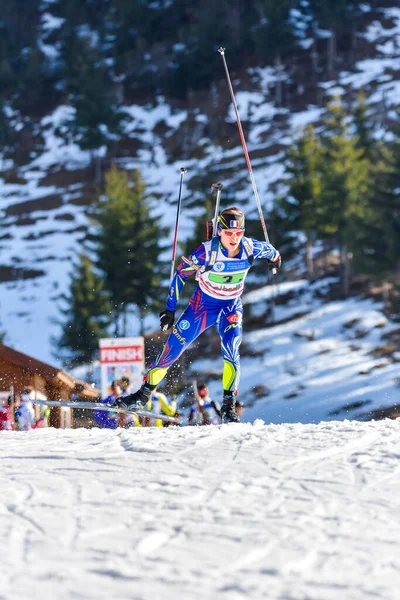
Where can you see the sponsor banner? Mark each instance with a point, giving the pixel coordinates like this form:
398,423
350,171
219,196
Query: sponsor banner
236,265
121,357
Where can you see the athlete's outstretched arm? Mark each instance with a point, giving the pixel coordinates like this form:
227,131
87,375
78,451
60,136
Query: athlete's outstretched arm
185,270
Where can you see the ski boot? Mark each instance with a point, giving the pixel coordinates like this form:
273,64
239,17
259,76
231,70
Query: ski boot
138,399
228,409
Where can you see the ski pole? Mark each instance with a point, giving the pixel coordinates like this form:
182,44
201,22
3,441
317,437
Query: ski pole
178,212
246,154
218,187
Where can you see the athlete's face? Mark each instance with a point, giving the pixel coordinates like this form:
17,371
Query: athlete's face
231,238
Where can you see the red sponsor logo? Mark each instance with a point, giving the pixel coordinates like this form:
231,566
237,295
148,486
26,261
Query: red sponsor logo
121,354
237,318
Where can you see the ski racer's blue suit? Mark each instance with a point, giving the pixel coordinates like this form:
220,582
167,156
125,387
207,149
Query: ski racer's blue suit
216,301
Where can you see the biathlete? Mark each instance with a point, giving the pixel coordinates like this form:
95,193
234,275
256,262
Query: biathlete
220,266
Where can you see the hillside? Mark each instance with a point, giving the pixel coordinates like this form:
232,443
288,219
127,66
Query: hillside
227,513
46,195
316,359
313,358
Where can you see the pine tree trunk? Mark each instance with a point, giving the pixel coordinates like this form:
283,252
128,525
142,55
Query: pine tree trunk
326,252
141,321
116,317
278,86
385,293
314,61
99,162
96,163
124,321
353,47
345,259
310,260
234,21
331,52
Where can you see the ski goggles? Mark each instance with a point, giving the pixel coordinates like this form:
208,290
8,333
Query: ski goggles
236,232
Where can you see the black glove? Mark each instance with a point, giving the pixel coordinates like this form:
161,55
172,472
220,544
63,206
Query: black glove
274,264
167,318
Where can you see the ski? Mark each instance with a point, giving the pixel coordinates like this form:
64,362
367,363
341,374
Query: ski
100,406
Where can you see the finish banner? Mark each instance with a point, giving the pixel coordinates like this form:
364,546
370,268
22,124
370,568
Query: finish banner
121,357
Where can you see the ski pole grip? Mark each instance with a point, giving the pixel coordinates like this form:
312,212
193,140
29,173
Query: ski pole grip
217,187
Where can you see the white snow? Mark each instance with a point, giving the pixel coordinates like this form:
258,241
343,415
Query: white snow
50,22
369,70
377,32
57,151
146,118
234,512
303,118
269,291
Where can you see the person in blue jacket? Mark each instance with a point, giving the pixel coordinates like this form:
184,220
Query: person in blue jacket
220,267
107,419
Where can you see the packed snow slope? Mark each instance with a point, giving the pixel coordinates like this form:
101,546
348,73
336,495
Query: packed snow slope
232,512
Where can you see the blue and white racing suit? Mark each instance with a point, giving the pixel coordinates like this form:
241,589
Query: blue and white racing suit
216,301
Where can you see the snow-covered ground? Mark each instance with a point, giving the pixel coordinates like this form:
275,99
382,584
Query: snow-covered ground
235,512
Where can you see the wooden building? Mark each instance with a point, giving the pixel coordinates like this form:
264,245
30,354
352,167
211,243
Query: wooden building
19,371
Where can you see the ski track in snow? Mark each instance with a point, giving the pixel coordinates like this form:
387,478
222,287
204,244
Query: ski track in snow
289,512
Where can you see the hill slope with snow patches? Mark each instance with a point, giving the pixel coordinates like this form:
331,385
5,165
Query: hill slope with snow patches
317,360
233,512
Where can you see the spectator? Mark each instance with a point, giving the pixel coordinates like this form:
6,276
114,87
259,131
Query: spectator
159,404
108,419
6,419
43,421
195,416
127,420
124,384
204,410
25,413
239,408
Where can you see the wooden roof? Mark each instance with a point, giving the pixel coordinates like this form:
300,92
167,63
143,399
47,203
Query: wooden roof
56,376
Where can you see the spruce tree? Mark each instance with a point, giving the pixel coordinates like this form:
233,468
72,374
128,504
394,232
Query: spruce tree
346,185
87,315
337,16
380,232
97,115
274,34
87,81
128,245
364,128
303,207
